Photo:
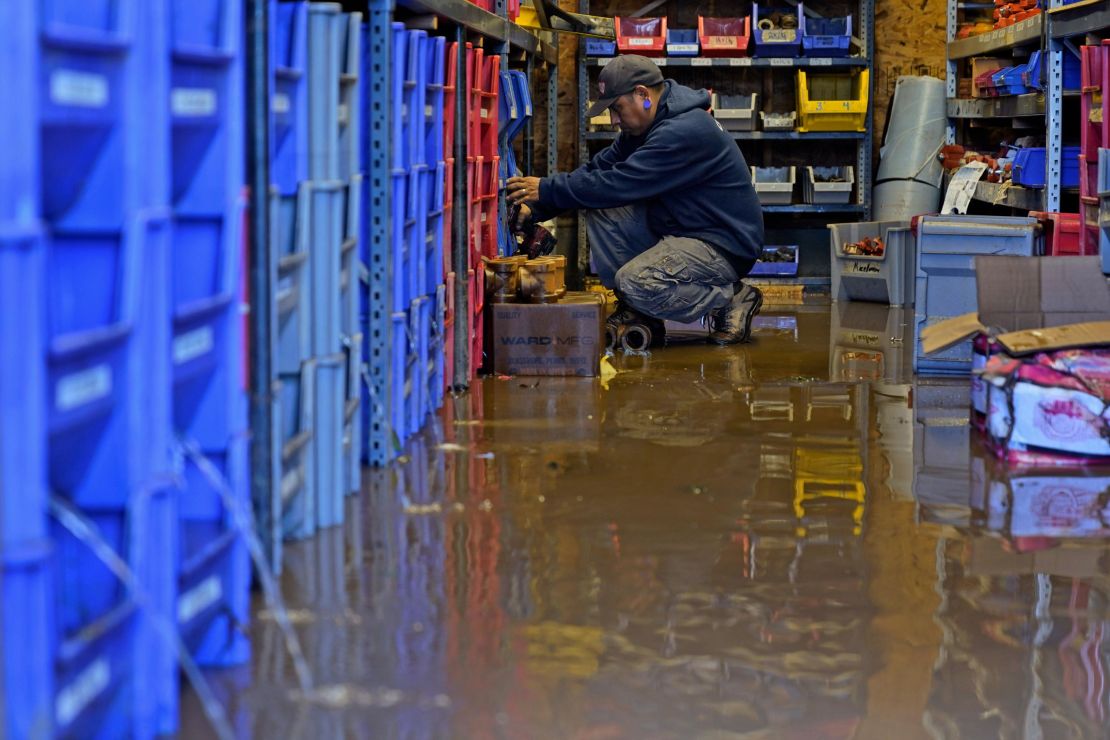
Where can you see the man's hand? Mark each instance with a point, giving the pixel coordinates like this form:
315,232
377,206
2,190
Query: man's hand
523,218
521,189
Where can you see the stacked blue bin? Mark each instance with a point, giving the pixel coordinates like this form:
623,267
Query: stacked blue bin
516,111
351,170
84,383
206,349
293,503
333,186
434,191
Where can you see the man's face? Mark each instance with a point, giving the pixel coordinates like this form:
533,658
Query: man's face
628,113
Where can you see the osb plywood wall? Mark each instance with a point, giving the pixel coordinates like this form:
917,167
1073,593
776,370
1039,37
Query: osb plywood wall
909,40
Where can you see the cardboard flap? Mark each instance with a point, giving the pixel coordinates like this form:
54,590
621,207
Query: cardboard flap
944,334
1090,334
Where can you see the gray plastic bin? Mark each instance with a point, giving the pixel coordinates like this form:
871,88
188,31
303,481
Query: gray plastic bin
885,279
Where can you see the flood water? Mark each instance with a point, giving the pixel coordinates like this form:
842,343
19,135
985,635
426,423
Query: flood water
792,538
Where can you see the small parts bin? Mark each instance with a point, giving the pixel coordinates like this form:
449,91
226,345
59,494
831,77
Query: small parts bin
776,30
645,36
1061,233
778,121
826,37
827,184
736,112
832,102
682,42
774,185
873,261
724,37
777,262
1029,167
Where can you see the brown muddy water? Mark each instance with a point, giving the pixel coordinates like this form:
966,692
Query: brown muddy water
793,538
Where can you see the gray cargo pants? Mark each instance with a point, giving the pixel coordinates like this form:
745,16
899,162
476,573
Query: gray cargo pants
673,278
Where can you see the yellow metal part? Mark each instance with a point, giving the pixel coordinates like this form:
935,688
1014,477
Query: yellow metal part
550,17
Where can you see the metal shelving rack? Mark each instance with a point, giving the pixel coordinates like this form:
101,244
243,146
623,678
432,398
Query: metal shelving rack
1054,33
864,141
460,21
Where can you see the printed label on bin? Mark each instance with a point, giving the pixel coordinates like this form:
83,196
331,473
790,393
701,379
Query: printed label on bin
780,35
200,597
88,685
82,89
280,104
192,102
192,345
84,387
641,42
682,48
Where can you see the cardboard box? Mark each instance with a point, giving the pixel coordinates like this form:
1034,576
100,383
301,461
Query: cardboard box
564,338
1044,369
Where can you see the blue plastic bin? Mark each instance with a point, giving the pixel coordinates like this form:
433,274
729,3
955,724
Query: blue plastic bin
433,240
207,179
776,269
601,48
397,92
777,42
416,232
350,264
1011,80
435,68
294,442
328,423
102,150
826,37
420,315
412,105
400,388
1029,167
328,213
946,249
326,33
401,263
682,42
290,235
1072,73
349,114
289,103
19,186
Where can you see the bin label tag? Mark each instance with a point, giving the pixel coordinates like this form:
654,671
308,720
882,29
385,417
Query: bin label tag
780,35
280,103
740,62
192,102
200,597
89,684
644,41
192,345
701,62
81,89
83,387
864,268
781,62
820,62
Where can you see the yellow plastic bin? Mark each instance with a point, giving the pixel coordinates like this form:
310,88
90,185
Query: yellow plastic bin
832,102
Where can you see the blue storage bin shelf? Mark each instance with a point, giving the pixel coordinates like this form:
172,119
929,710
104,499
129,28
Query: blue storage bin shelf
415,234
1029,167
289,104
19,187
1072,73
945,275
397,93
826,37
682,42
777,42
213,603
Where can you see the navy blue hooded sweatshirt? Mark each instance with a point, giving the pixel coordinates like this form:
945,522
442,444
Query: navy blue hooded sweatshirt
687,171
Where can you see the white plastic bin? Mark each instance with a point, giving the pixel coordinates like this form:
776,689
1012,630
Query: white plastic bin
828,184
778,121
774,185
736,112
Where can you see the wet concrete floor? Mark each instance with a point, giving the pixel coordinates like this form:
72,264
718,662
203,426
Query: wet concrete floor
793,538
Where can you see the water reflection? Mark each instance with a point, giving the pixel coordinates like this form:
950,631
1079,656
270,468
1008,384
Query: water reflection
765,539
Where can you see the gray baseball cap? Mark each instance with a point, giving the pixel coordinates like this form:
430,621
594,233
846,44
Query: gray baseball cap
620,77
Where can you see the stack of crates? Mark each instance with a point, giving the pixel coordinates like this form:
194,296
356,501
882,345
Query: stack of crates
1094,134
334,166
435,257
209,400
84,239
483,167
293,505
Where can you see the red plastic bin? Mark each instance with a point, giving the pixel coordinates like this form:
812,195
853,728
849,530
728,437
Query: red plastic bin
1088,176
485,87
645,36
1088,234
724,37
1061,233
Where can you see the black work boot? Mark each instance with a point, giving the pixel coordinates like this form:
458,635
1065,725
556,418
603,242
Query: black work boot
646,331
733,323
